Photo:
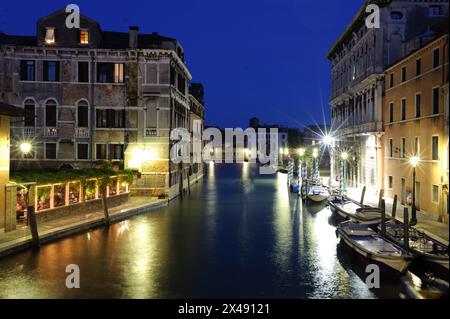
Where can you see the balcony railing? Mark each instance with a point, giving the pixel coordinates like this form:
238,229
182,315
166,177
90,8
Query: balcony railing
82,132
51,132
151,132
29,132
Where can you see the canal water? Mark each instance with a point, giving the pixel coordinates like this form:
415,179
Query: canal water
238,235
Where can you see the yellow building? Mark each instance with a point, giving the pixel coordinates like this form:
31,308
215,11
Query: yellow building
415,114
6,111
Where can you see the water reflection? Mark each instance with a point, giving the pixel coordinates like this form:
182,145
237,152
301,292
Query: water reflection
239,234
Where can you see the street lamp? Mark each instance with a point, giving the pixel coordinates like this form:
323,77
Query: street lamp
414,161
327,140
25,147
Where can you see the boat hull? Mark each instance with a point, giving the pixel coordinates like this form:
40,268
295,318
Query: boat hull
399,264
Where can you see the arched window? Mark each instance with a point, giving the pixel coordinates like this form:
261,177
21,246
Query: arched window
30,111
50,113
83,114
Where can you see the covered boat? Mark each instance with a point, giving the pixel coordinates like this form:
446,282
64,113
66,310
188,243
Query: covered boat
317,193
422,246
345,208
374,248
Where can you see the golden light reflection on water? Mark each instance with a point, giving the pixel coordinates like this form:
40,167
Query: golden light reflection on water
283,226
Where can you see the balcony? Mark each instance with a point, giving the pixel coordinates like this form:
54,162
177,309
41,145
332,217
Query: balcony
51,132
151,132
29,132
82,132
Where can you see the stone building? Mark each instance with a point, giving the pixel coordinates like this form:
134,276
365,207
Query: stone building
6,112
359,57
415,113
92,96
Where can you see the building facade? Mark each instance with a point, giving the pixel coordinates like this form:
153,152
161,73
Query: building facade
92,96
359,58
415,113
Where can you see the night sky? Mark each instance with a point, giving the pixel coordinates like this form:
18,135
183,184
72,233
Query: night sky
262,58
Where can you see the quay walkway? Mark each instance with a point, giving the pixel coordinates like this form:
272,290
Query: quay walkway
20,238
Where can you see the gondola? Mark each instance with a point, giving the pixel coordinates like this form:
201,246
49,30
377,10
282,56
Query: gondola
373,247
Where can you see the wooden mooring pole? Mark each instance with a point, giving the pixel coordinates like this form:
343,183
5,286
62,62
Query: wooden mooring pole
394,207
105,204
363,194
35,241
406,228
383,217
380,199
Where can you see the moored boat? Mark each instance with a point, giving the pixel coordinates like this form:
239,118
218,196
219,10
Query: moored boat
345,208
422,246
317,193
373,247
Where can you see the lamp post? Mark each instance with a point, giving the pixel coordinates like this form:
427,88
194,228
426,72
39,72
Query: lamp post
343,186
414,161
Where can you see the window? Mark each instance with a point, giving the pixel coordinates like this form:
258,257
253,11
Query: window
391,80
435,194
82,151
110,118
28,70
436,58
435,10
403,147
100,151
50,150
83,72
172,76
435,148
404,74
29,109
50,35
50,114
110,72
390,183
115,151
391,112
417,146
418,104
396,15
403,115
391,148
181,84
435,100
83,114
418,67
51,71
84,37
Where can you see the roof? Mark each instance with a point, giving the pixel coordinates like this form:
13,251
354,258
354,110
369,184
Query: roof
10,110
17,40
356,18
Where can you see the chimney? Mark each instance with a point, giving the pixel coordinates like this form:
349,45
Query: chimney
134,32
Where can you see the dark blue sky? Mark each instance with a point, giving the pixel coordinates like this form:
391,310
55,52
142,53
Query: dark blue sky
262,58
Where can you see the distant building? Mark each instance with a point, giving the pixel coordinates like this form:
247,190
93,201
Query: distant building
359,58
91,96
415,113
